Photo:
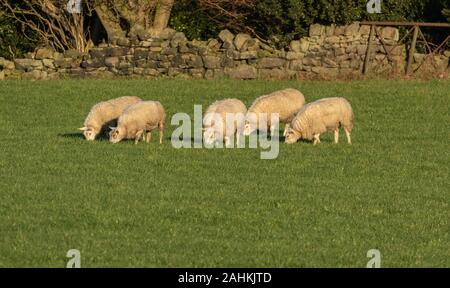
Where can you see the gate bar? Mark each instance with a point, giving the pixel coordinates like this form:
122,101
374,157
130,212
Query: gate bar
393,23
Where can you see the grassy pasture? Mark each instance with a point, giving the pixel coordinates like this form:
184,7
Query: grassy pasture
151,205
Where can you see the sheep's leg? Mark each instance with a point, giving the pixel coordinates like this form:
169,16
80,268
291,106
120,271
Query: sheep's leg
148,137
336,136
227,141
240,136
316,139
161,132
272,130
286,127
347,133
138,136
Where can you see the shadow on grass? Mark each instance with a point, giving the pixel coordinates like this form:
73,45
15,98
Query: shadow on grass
79,135
72,135
191,140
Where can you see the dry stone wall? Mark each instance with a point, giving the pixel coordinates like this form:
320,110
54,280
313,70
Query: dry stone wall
328,52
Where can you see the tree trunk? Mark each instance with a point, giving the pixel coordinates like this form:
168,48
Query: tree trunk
162,16
137,16
109,22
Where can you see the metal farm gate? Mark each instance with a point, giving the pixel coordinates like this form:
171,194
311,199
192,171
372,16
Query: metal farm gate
415,29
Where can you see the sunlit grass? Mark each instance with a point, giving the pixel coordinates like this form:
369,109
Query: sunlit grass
152,205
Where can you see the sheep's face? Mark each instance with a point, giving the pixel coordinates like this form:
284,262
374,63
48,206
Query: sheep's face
209,136
115,135
292,136
249,128
251,120
89,133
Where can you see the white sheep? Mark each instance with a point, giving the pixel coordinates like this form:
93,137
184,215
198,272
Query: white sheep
104,114
285,102
139,120
323,115
222,120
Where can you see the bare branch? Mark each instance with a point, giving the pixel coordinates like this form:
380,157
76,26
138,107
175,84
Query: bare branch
51,21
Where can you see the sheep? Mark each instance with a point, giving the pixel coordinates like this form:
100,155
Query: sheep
217,126
139,120
104,114
285,102
323,115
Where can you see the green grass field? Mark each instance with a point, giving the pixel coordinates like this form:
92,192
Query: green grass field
155,206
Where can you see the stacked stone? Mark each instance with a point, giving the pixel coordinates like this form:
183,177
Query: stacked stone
328,52
340,50
44,63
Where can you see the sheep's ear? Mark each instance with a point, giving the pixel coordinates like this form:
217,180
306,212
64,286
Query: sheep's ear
83,128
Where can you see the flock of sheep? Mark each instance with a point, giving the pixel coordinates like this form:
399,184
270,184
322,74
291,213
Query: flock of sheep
136,119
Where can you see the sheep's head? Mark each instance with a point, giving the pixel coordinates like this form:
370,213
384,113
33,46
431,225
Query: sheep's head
250,124
89,133
212,123
116,134
209,135
248,128
292,136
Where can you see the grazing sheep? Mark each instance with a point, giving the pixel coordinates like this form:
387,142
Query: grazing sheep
323,115
139,120
105,114
285,102
218,126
